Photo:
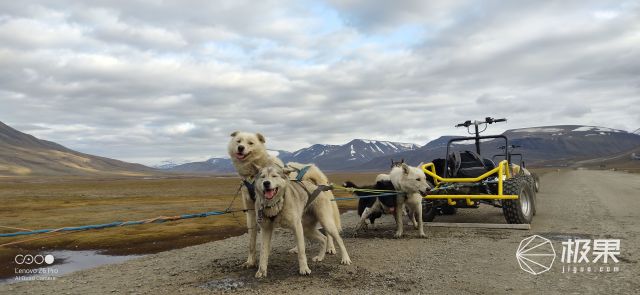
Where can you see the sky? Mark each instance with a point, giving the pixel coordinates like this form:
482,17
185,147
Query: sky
147,81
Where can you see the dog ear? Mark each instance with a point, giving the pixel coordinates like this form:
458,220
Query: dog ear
256,166
402,160
405,169
260,137
234,133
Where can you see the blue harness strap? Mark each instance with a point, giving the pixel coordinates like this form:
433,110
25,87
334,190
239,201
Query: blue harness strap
251,187
302,172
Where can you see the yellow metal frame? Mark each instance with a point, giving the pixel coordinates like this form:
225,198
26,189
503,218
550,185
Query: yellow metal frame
501,170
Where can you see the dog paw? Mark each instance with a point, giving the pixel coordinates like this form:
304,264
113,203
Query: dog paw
305,271
423,236
397,235
331,251
261,273
346,260
317,258
249,264
293,250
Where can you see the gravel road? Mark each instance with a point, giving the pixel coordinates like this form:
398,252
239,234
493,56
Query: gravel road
573,203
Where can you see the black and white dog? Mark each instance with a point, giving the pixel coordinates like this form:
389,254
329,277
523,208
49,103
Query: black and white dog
411,185
372,208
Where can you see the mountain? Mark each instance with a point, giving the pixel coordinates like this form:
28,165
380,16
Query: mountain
637,131
346,156
547,145
213,165
327,157
168,164
561,145
24,154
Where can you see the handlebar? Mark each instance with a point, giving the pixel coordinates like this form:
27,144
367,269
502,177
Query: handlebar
487,120
465,124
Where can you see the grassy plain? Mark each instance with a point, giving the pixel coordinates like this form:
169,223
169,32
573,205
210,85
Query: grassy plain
36,203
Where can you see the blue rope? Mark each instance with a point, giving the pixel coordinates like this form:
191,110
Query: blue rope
159,220
116,223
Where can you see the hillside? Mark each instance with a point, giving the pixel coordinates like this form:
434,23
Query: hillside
626,160
22,154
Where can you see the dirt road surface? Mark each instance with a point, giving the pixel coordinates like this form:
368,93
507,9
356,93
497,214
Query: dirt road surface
571,204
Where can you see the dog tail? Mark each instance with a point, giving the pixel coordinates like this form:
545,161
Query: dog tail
383,177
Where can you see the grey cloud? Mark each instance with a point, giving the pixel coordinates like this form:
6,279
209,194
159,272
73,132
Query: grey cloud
144,81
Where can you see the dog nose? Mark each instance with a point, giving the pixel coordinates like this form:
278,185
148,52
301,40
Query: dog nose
266,183
241,148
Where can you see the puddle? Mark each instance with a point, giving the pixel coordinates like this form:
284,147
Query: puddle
64,262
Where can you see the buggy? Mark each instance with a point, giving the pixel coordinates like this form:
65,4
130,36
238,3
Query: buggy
466,179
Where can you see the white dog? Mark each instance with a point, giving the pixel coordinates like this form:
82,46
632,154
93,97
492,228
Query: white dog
297,205
413,182
247,152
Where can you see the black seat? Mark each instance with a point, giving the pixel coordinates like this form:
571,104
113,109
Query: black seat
468,164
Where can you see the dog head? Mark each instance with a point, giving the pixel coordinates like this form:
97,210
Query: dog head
271,183
245,146
409,179
397,164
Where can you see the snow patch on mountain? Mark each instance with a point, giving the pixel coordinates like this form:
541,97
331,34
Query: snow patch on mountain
168,164
539,129
596,129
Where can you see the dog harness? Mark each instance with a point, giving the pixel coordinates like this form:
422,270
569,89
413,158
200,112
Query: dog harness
251,187
313,195
302,172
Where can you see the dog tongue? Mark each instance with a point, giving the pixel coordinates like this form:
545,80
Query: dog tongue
269,194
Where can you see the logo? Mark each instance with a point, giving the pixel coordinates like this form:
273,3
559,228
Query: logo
590,256
535,254
33,259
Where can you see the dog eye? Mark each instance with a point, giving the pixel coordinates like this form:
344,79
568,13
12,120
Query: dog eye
251,143
417,179
238,141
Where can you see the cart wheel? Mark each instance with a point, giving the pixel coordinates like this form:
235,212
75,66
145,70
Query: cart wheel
536,181
520,210
428,211
531,182
449,210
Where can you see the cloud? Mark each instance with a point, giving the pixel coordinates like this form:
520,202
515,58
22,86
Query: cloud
145,81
